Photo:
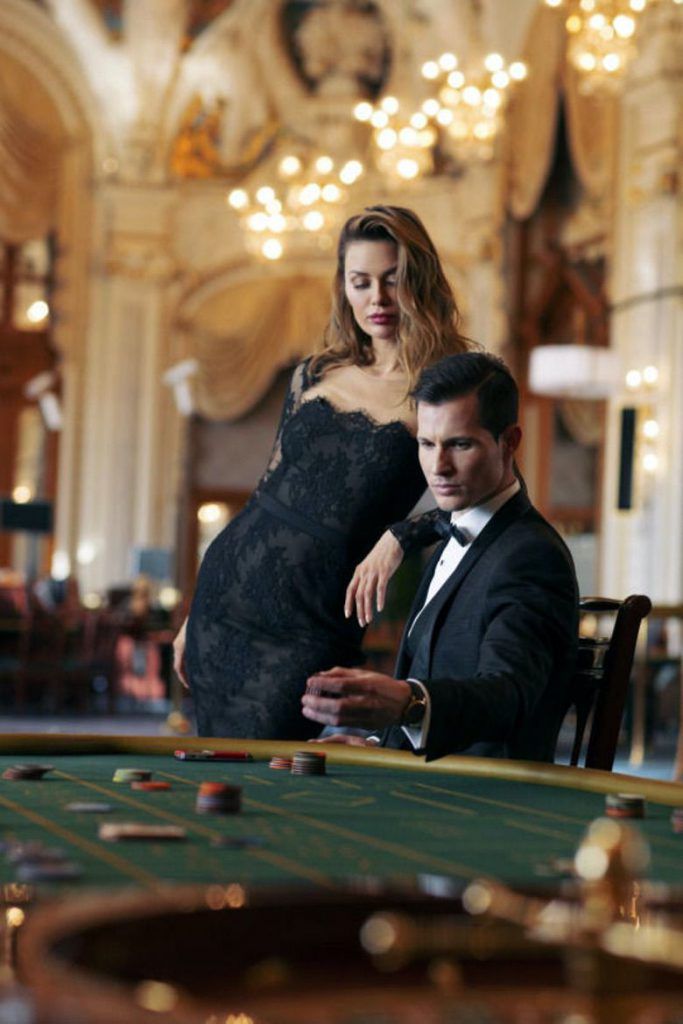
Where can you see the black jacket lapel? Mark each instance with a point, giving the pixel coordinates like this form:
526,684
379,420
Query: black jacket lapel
418,602
508,514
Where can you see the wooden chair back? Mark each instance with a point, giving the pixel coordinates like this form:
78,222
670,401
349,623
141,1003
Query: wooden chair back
601,682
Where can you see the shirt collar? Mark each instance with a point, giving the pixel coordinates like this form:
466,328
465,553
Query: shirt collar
473,520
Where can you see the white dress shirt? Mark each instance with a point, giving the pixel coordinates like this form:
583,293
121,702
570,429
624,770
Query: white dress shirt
471,521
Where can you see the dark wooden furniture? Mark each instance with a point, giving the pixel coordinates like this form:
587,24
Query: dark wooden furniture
602,678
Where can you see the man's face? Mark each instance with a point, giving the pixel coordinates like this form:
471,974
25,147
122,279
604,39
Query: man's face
462,462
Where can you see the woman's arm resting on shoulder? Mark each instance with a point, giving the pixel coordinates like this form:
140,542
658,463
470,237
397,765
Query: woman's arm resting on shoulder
179,655
368,586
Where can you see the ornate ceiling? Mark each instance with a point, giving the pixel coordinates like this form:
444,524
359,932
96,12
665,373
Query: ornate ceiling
201,13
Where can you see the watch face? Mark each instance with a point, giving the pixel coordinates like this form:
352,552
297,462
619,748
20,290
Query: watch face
415,711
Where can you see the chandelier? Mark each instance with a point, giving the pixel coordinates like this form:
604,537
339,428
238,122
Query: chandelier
601,39
463,114
302,200
403,142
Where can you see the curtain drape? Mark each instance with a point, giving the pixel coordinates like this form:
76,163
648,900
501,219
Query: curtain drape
245,334
532,121
532,115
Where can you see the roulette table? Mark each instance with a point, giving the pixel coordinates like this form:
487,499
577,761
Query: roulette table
268,915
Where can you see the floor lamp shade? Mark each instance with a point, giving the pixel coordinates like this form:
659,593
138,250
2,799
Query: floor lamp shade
574,371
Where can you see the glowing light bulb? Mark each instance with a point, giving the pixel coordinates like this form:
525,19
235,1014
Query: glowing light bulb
650,375
313,220
448,61
37,311
494,62
238,199
430,69
21,494
431,107
265,195
456,79
324,164
209,512
363,111
390,105
387,138
651,429
290,165
272,249
407,169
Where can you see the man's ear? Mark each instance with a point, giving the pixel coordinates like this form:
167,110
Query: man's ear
511,438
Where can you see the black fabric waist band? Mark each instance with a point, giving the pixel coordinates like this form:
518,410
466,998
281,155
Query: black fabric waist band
300,521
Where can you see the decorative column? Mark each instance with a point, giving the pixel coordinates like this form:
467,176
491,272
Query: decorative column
123,466
642,545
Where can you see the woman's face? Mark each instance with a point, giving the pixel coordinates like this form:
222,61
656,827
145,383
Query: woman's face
370,287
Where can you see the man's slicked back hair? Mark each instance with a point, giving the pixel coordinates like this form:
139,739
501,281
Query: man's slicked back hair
478,373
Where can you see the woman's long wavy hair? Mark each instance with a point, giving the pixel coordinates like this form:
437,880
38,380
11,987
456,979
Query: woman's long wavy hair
428,326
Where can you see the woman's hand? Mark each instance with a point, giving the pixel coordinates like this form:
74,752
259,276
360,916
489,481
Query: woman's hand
179,655
368,584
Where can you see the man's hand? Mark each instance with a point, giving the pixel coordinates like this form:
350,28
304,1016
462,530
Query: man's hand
368,584
347,739
179,655
354,697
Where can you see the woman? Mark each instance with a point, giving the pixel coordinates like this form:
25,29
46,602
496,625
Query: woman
269,606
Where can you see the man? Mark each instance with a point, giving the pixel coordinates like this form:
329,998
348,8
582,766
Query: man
489,646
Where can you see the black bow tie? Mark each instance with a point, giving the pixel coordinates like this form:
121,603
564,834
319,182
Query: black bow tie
446,529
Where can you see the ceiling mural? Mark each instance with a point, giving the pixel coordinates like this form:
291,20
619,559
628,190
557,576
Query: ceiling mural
337,48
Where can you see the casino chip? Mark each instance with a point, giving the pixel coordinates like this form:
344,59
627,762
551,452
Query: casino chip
132,775
39,871
283,764
218,798
677,819
624,805
88,807
113,832
26,771
35,862
308,762
146,784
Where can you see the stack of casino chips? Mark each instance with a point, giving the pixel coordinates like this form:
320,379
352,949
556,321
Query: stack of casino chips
26,771
282,764
308,762
624,805
218,798
677,820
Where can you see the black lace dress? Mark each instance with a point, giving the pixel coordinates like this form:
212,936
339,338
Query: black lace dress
268,605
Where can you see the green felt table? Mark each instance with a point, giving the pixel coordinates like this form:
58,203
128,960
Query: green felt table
378,813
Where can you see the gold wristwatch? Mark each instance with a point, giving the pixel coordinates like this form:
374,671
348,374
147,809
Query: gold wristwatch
413,716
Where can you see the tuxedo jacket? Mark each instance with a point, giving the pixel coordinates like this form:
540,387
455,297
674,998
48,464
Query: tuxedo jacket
496,645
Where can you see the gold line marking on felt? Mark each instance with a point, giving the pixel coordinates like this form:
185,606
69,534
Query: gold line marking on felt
101,853
522,808
434,803
563,819
276,859
406,852
550,833
346,785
